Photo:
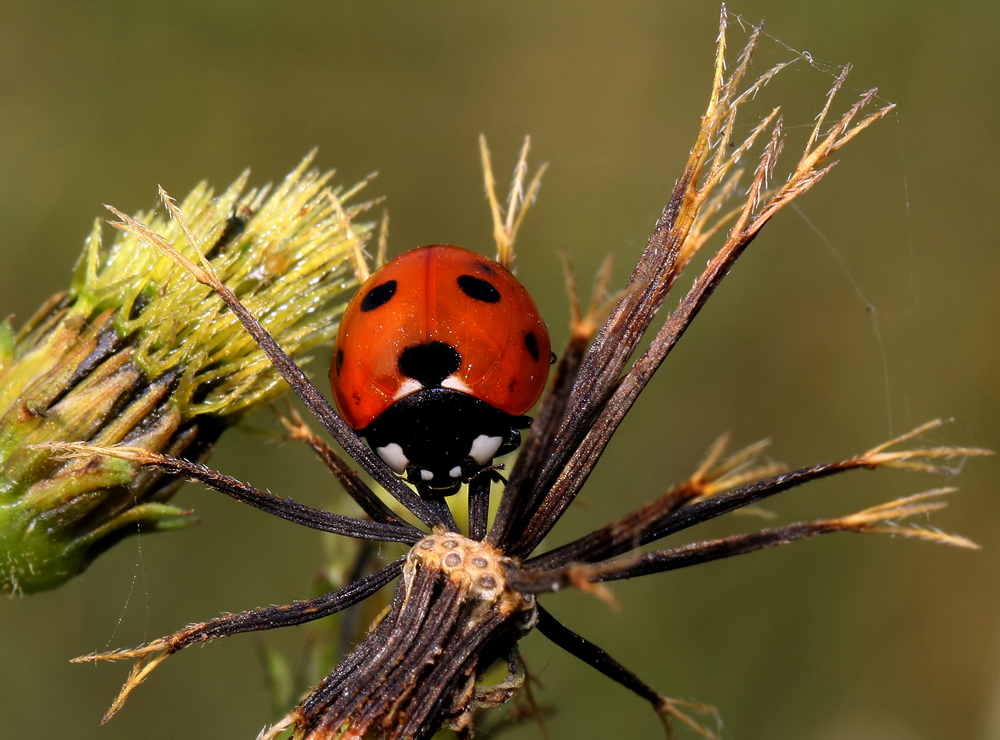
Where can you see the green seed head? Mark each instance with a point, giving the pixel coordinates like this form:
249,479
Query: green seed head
138,352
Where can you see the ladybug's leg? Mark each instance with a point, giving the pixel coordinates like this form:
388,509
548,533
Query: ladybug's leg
594,656
481,480
512,439
438,506
479,505
480,484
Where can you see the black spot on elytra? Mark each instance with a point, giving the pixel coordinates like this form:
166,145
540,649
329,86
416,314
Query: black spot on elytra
339,362
378,296
429,363
531,342
486,267
478,289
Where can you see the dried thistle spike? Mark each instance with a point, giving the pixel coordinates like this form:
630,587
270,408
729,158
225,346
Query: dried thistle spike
718,475
584,324
383,240
916,459
877,519
519,199
604,391
133,354
680,710
882,519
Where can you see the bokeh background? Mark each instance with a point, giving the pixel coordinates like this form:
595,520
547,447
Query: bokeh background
870,310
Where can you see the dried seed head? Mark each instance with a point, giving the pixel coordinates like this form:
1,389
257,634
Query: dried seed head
138,352
417,669
475,566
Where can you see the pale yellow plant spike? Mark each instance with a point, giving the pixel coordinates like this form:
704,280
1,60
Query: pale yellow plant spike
711,175
383,239
585,325
178,215
360,265
274,731
719,72
143,233
917,459
882,519
821,117
507,222
671,708
601,300
915,432
122,452
712,457
717,474
358,258
520,199
491,195
516,194
572,291
926,534
139,673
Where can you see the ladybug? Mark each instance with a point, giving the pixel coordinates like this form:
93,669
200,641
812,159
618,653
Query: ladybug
439,355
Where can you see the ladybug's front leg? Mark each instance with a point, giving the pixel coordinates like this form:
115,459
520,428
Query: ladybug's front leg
512,440
436,502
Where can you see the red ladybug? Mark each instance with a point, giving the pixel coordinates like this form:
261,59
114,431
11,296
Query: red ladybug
439,355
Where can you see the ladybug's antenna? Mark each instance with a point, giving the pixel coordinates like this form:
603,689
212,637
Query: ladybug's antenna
505,226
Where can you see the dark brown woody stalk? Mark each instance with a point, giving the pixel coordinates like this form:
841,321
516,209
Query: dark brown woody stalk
463,602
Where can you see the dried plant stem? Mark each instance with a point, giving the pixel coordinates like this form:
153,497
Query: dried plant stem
150,655
601,397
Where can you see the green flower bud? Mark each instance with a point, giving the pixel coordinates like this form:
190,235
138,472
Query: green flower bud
137,352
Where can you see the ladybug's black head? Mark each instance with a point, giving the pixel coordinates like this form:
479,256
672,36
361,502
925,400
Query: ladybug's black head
440,438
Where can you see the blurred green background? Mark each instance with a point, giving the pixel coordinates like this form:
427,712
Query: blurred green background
827,352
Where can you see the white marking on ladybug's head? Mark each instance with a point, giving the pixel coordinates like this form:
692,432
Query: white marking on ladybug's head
455,472
484,448
426,475
456,384
407,387
393,456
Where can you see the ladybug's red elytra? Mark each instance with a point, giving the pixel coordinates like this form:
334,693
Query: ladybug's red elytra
439,355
